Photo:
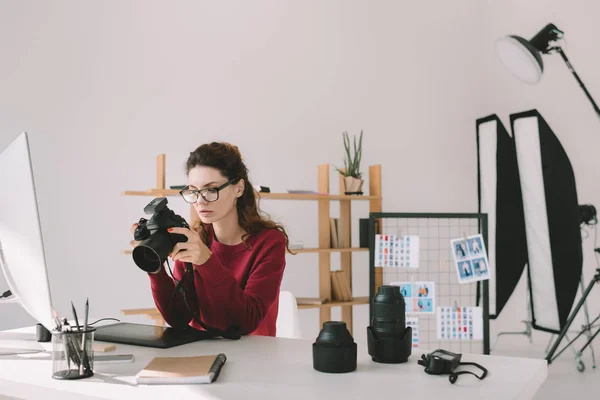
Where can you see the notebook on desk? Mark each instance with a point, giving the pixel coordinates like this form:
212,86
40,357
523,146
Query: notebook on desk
182,370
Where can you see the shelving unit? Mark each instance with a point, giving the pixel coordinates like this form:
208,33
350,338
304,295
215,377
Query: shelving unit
323,197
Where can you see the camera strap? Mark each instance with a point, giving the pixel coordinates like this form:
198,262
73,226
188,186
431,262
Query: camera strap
232,332
454,374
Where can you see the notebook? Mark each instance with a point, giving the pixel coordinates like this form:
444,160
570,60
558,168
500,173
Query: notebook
182,370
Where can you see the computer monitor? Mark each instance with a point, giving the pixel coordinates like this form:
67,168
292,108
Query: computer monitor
22,256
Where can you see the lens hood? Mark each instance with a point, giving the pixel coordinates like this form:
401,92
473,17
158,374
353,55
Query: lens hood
334,350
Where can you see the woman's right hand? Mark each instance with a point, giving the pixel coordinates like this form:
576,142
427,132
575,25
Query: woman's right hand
133,243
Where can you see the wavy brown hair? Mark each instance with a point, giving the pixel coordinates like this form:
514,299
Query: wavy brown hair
228,160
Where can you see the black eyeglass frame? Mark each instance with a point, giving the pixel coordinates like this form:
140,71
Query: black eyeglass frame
199,192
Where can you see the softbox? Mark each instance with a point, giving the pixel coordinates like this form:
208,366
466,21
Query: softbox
552,221
499,193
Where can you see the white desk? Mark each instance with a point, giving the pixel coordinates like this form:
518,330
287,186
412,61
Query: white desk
269,368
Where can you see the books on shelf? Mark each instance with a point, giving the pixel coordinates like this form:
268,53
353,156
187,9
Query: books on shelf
334,233
182,370
340,286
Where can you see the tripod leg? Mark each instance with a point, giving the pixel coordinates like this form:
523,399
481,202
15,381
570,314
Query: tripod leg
564,331
549,344
578,354
588,327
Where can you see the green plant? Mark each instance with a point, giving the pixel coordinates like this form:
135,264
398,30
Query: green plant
352,164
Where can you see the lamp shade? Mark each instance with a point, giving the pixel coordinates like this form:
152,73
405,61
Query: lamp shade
524,57
520,58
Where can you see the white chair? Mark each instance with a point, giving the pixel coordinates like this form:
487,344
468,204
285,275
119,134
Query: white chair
288,321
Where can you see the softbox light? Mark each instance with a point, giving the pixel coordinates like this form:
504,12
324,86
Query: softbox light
499,193
552,221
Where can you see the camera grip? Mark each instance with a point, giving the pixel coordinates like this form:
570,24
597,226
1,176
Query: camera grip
178,237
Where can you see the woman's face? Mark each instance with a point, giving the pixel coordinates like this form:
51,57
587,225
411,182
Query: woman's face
201,177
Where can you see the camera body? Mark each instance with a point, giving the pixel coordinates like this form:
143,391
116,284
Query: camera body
156,242
587,214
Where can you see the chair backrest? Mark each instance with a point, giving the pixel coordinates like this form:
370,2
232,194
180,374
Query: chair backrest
288,321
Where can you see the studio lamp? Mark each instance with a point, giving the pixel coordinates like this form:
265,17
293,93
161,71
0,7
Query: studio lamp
524,57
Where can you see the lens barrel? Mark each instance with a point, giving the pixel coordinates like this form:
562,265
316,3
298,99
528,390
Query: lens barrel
389,339
151,253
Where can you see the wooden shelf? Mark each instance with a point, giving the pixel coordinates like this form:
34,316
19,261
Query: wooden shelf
273,196
307,250
355,301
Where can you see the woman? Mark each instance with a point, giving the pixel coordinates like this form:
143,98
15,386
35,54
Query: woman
237,255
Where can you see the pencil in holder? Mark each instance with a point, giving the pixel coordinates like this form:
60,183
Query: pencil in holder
73,354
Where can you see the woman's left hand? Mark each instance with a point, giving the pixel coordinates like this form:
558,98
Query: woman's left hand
193,251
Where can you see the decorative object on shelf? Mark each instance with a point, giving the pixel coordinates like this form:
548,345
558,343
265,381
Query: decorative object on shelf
352,176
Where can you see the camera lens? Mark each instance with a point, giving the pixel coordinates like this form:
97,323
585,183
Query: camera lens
389,312
334,350
151,253
389,340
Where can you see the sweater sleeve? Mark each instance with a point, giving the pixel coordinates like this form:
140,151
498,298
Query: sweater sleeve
172,309
223,303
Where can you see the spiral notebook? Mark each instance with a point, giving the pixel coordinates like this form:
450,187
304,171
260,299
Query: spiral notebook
182,370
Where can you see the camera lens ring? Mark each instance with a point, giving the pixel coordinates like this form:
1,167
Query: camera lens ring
144,256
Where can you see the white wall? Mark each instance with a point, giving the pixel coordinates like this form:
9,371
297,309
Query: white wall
562,103
103,88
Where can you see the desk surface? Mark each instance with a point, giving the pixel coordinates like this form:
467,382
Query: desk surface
269,368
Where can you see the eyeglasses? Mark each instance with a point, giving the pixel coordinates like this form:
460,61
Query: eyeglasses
208,194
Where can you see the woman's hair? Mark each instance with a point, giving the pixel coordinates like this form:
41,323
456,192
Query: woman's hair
227,159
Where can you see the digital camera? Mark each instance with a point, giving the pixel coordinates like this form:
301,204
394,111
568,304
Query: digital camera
156,243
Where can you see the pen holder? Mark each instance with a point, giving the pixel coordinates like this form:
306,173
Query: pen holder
73,354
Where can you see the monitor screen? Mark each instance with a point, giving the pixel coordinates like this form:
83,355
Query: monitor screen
22,256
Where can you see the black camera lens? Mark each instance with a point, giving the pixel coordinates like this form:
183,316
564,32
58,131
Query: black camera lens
156,243
389,339
389,317
334,350
152,253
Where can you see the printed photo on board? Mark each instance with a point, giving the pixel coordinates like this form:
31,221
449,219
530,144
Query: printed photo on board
470,258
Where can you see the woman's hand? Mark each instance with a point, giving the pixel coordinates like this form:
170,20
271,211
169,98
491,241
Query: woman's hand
133,243
193,251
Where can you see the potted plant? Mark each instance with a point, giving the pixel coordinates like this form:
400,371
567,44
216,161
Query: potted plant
352,175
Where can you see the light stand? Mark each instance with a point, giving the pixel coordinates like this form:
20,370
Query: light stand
589,326
528,323
586,328
523,57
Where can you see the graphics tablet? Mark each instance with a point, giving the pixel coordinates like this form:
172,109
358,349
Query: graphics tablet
148,335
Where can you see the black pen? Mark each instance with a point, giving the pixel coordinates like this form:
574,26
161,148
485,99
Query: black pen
75,316
85,326
87,309
75,343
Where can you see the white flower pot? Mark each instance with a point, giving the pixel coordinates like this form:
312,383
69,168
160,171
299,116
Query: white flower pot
353,185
